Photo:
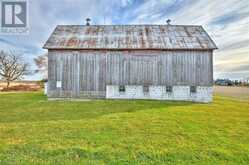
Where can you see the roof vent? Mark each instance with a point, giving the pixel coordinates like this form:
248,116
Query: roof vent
168,22
88,21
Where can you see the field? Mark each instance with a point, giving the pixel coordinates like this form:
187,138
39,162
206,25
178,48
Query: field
235,92
21,86
36,131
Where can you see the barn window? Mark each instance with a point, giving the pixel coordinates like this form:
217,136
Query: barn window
193,89
58,84
121,88
146,88
168,89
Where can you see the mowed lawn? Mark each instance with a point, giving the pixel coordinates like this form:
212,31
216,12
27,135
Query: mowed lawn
36,131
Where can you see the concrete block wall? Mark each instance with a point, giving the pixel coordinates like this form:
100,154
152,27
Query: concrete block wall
203,94
131,92
181,93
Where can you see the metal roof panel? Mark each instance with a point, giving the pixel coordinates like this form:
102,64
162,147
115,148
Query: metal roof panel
129,37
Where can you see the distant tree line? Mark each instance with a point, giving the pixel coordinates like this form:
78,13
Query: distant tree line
228,82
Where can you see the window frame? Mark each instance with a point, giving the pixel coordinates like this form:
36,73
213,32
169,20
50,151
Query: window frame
193,89
169,87
121,88
146,88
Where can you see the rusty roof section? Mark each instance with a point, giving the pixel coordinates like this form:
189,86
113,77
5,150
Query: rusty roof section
130,37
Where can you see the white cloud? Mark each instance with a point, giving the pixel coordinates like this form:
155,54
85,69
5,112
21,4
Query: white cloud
125,3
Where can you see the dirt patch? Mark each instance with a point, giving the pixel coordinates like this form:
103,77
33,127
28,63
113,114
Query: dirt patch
238,92
22,88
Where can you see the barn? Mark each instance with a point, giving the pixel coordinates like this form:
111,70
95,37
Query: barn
164,62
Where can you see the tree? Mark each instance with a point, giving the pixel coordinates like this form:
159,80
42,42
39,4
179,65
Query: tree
42,65
12,67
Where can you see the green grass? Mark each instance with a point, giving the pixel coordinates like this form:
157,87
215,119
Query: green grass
36,131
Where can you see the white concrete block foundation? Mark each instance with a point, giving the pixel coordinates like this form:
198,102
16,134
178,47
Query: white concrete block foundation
203,94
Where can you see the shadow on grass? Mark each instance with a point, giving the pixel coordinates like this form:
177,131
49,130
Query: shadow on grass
35,108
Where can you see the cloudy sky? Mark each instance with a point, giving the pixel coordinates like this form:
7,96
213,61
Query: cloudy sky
227,22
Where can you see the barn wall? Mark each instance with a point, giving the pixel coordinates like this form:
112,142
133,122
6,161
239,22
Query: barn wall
87,73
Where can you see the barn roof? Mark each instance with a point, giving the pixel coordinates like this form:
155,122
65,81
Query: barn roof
129,37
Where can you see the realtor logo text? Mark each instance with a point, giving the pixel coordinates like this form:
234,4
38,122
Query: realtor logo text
14,17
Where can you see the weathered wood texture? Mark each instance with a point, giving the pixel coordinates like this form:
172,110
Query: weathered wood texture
86,73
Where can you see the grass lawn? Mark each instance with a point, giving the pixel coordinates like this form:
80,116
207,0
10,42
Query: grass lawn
36,131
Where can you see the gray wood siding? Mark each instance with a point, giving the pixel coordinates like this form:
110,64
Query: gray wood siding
86,73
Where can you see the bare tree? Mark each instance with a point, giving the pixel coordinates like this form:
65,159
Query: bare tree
42,65
12,67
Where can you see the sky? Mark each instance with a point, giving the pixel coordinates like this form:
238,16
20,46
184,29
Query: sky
226,21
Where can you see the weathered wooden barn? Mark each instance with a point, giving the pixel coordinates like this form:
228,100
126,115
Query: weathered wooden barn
166,62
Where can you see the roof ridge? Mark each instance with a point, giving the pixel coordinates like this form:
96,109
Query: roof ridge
136,25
